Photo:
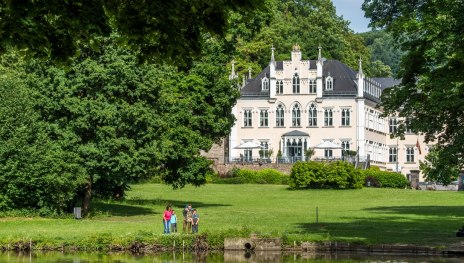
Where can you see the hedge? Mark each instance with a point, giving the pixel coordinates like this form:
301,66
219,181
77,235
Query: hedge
385,179
319,175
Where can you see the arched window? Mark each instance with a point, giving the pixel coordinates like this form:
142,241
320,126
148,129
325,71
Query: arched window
280,87
329,83
312,115
296,115
296,83
265,84
280,116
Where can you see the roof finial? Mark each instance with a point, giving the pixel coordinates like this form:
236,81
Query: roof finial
319,57
296,47
360,66
249,72
272,53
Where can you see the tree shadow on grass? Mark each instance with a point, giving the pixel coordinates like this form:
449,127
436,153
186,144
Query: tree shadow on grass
121,209
175,204
423,225
139,207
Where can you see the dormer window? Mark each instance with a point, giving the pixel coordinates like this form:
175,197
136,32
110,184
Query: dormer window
265,84
329,83
296,83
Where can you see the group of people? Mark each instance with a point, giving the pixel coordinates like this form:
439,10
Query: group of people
190,220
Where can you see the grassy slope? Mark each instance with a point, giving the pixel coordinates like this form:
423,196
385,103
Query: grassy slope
367,215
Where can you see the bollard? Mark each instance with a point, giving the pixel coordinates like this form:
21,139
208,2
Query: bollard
317,215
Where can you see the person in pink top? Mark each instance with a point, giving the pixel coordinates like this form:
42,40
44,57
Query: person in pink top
167,219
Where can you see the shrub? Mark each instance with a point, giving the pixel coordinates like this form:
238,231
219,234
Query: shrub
270,176
317,175
385,179
246,176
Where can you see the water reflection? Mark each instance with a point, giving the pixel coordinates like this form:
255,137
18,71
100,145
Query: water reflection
229,256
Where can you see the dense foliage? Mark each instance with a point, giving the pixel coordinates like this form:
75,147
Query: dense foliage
308,23
163,29
385,179
36,171
107,121
432,90
319,175
385,52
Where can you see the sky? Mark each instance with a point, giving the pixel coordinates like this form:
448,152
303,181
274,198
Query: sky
351,11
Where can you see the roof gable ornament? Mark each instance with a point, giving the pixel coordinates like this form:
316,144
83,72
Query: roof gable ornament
319,57
272,53
296,47
360,66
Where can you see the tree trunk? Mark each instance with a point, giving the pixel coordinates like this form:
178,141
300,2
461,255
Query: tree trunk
86,198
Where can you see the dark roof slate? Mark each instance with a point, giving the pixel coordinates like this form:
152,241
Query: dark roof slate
387,82
254,84
344,77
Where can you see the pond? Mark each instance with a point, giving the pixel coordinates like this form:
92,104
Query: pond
236,256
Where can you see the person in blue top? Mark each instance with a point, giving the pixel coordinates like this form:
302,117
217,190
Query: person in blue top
173,222
195,220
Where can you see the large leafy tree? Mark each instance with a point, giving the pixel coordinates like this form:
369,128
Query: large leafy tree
36,171
160,29
432,88
116,121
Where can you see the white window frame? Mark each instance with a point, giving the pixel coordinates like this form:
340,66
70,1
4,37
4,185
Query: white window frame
328,117
247,118
345,117
263,118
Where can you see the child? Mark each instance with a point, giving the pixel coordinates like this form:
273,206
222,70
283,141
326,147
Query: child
195,220
173,222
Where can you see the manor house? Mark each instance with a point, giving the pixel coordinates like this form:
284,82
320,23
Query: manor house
292,106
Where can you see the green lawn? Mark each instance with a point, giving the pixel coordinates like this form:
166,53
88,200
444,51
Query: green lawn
367,215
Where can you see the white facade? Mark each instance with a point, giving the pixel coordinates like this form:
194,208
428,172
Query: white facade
295,105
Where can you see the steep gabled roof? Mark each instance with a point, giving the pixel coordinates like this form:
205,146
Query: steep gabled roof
344,77
254,84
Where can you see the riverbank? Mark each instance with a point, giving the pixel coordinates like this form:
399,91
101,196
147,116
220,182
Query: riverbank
367,217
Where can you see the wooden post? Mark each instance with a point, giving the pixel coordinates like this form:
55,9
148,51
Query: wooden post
317,215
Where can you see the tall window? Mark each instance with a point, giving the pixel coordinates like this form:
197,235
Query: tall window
264,151
279,87
408,125
296,115
345,145
329,83
296,83
312,115
345,117
280,116
393,125
263,118
328,117
328,153
247,117
410,154
265,84
312,86
393,154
